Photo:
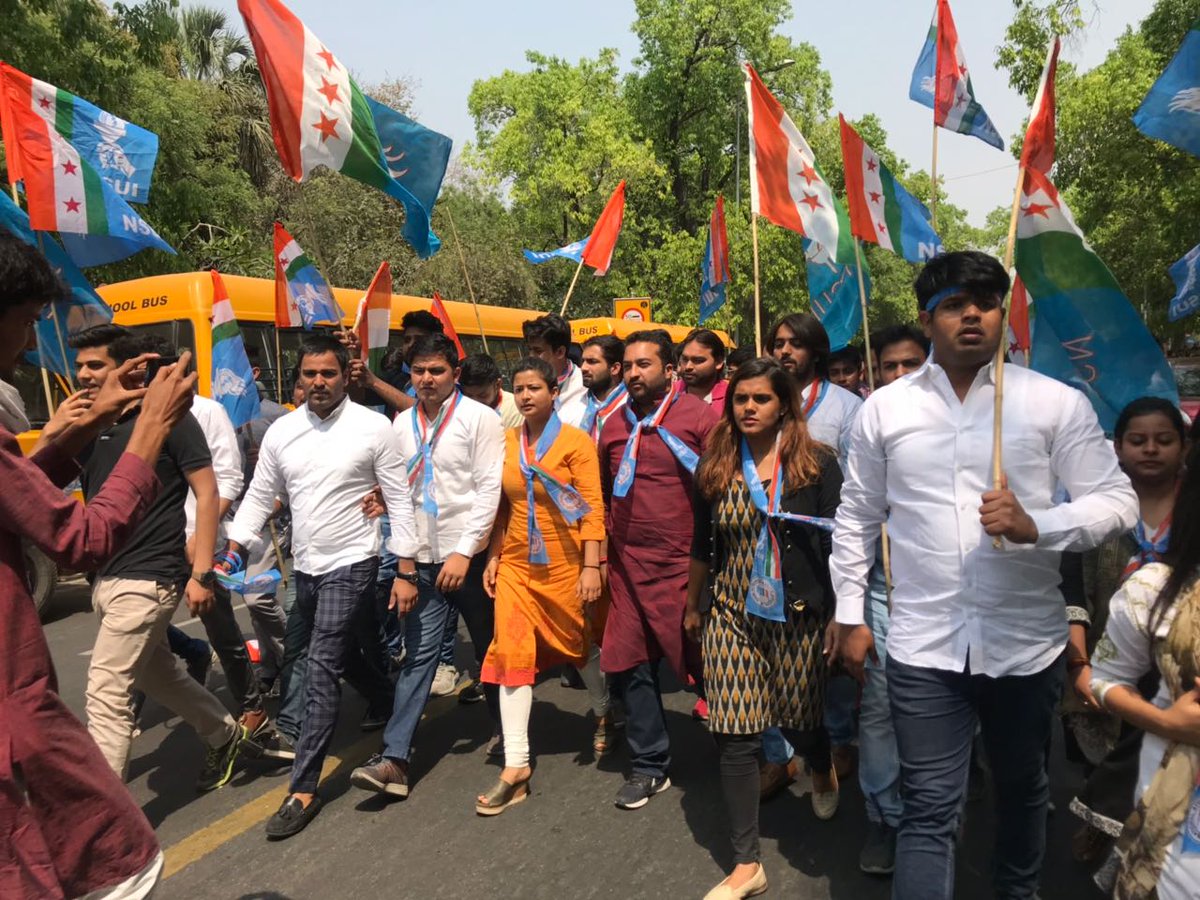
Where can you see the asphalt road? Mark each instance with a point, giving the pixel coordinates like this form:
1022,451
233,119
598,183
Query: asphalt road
568,840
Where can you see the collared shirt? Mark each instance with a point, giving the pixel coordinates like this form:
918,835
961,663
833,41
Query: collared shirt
226,456
510,416
571,390
716,397
832,418
468,460
325,467
575,412
921,460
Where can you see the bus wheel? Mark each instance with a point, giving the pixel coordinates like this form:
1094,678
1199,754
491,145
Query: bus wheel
43,576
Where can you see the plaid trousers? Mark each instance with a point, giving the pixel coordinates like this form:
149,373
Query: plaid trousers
327,606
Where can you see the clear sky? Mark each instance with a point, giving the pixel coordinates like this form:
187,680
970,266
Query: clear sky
868,46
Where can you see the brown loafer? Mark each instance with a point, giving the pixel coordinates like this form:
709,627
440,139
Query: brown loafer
773,777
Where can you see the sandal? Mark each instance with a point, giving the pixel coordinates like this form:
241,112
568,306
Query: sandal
502,796
605,737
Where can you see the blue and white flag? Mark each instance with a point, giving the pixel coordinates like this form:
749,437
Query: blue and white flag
1171,111
81,308
714,270
1186,275
833,294
233,383
416,157
573,251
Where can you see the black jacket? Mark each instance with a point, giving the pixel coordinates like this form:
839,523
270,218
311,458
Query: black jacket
804,550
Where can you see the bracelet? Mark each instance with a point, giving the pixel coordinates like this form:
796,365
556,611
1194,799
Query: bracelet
587,566
1074,665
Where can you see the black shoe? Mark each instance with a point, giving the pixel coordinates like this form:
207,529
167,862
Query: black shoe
396,660
218,763
570,679
472,693
277,745
638,789
292,817
878,856
268,688
199,667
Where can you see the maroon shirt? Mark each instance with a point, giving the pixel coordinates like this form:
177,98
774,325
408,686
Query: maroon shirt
650,540
67,824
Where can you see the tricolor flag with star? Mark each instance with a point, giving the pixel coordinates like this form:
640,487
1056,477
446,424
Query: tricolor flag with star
942,82
786,185
302,296
232,376
374,319
881,211
320,117
1037,150
63,191
1085,331
1019,336
714,268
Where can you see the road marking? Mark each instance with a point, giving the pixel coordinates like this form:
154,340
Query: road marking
200,844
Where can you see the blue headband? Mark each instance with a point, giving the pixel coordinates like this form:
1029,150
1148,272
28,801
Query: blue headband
944,294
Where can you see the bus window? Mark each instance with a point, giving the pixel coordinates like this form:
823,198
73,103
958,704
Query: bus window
178,333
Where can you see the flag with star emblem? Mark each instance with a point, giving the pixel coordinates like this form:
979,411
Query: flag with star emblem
63,191
123,153
319,117
302,295
374,319
1018,324
942,82
881,211
786,185
1085,332
80,307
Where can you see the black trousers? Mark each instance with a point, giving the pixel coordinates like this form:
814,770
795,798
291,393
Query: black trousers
227,641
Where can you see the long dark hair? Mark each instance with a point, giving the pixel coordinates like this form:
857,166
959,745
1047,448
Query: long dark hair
1183,545
800,453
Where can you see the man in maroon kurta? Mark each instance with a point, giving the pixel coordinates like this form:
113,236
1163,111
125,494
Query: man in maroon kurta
650,533
68,826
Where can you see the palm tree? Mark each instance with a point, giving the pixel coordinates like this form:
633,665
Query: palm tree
211,50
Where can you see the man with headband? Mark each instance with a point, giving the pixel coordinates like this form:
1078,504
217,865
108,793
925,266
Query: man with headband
977,627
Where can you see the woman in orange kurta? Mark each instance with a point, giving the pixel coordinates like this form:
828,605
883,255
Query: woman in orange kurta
543,568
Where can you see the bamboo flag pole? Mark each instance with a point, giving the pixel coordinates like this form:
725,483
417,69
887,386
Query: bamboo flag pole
998,377
885,545
278,368
933,176
753,158
571,289
467,278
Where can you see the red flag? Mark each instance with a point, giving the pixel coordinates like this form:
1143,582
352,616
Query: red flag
1038,150
1019,337
439,310
599,250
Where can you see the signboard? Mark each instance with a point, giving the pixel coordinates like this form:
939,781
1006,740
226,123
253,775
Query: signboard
633,309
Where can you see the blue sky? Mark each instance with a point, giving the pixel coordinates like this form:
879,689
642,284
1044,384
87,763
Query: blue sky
868,46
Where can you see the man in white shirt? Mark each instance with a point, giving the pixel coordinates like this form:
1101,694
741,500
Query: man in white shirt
325,456
977,632
549,338
453,449
606,395
801,345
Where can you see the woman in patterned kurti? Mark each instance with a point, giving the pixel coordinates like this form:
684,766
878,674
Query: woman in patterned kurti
765,571
543,566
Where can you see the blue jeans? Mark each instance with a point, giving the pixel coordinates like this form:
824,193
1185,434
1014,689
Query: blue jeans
393,634
645,721
935,713
878,758
446,653
424,630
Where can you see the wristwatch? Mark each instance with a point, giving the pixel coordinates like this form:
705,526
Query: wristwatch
205,579
410,577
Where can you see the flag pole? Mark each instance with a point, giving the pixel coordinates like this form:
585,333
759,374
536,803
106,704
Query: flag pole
933,176
758,347
885,545
278,368
62,347
467,277
998,376
571,289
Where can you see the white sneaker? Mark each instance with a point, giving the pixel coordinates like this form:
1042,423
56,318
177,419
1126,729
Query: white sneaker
445,681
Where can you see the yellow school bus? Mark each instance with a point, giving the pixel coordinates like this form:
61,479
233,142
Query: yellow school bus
179,308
